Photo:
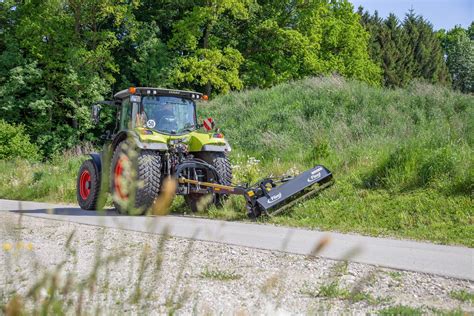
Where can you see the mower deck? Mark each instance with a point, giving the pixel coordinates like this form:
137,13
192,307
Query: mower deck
269,196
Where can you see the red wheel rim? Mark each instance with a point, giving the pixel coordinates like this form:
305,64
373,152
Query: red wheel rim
119,177
85,184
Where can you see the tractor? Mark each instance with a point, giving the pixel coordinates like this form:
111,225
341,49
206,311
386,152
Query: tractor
159,128
157,137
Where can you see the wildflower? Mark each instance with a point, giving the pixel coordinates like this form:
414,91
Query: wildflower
7,246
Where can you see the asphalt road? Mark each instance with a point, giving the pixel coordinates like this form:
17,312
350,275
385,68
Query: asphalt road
450,261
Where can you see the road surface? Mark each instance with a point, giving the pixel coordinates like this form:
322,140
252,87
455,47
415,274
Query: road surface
450,261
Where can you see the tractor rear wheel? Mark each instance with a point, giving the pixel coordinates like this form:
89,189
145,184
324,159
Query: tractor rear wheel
88,186
142,176
221,162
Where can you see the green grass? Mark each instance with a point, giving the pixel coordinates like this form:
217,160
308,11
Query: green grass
332,290
402,159
463,296
52,181
395,275
452,312
220,275
401,310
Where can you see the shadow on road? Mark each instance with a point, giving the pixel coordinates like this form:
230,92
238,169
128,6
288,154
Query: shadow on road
69,211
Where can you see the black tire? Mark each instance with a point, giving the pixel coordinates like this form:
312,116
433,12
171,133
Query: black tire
221,162
148,174
88,186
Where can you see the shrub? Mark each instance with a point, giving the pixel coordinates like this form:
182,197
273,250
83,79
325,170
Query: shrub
15,143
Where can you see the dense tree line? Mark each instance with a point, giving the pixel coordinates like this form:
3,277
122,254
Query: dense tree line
411,49
405,50
59,56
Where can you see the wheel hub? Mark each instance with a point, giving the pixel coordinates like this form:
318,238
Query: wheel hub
85,184
119,175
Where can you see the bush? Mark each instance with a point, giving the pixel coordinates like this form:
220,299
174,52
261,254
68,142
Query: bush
15,143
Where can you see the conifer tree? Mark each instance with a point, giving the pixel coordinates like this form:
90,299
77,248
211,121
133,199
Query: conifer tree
425,52
405,51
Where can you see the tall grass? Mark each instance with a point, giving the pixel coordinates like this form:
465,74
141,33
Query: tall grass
399,140
52,181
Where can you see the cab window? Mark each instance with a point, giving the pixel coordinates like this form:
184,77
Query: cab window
126,114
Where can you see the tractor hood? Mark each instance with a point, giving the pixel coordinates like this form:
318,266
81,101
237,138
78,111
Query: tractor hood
196,141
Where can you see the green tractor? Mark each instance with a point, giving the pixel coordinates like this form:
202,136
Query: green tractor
157,135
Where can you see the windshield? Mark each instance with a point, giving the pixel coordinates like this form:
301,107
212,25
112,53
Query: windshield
171,115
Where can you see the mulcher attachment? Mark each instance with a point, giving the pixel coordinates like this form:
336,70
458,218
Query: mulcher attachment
269,196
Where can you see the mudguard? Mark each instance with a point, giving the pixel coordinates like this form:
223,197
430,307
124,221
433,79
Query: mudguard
123,135
221,148
97,161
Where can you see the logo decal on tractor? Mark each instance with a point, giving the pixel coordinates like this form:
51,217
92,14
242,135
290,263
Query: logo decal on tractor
314,177
274,198
150,124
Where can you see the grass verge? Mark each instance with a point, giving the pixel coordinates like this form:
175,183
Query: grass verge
463,296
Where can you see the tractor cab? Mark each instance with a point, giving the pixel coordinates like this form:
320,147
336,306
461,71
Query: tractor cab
169,112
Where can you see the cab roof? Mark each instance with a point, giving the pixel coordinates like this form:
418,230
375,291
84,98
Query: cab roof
144,91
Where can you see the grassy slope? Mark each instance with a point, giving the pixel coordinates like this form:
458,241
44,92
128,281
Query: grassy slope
402,159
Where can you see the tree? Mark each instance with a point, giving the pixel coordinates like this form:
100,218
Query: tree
373,24
292,39
207,59
470,31
344,44
275,54
405,51
387,47
459,51
425,51
144,59
210,68
58,61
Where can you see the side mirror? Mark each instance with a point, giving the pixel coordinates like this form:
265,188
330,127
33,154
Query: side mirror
96,113
208,124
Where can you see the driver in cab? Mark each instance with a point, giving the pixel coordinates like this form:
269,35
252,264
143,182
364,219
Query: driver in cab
156,113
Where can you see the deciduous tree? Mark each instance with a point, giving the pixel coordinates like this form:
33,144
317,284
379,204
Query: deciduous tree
459,50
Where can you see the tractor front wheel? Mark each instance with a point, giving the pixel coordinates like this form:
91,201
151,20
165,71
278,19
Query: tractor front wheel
138,180
221,162
88,186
